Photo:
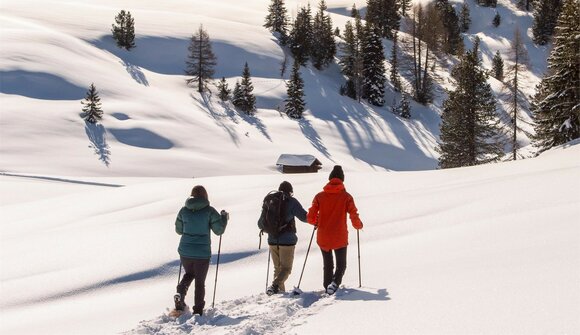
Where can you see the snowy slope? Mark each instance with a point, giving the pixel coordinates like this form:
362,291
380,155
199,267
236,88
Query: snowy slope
481,250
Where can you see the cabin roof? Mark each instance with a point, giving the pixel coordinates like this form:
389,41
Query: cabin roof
297,160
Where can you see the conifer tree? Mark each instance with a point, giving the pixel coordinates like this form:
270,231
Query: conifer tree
405,107
556,105
237,94
464,18
295,90
452,31
224,91
354,12
351,59
244,99
92,111
405,5
469,130
124,30
323,47
545,18
394,75
373,66
385,15
201,60
497,66
300,39
516,100
496,20
277,19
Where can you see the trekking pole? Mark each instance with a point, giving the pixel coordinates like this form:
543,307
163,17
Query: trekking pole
358,245
179,276
268,269
306,258
216,271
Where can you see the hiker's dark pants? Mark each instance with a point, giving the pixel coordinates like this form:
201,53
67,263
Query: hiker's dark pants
328,261
194,269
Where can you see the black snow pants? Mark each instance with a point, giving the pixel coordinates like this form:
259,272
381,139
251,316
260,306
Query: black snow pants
194,269
329,274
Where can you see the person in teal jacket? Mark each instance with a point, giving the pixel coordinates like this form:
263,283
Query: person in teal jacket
194,222
282,246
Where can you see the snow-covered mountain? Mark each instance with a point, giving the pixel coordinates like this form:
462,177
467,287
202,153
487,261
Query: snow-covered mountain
87,244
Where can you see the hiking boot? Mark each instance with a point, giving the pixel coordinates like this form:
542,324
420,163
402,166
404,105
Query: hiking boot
179,303
272,289
332,287
198,310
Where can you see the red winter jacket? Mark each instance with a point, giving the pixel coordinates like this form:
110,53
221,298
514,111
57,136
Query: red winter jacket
328,211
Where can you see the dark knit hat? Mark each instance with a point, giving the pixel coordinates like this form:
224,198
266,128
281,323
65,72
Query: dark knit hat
286,187
336,173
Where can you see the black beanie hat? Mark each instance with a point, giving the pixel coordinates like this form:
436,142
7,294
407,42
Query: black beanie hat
336,173
286,187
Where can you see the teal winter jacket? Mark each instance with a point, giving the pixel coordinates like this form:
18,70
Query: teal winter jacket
193,223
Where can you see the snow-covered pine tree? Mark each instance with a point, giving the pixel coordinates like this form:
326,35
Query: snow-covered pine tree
385,15
300,39
277,19
237,94
545,18
469,128
92,111
294,106
516,100
201,60
223,90
373,66
124,30
497,66
452,36
354,12
348,59
556,105
464,17
245,99
323,47
405,107
394,73
496,20
404,5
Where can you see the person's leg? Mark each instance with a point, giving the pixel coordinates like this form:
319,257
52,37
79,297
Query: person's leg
187,278
340,265
201,267
286,259
328,267
275,254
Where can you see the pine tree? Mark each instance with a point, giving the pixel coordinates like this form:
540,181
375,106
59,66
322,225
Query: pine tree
124,30
323,47
496,20
405,107
300,39
516,100
497,66
373,66
92,111
469,130
244,99
405,5
545,18
295,90
277,19
464,18
385,15
394,75
224,91
354,12
350,60
201,59
556,105
450,21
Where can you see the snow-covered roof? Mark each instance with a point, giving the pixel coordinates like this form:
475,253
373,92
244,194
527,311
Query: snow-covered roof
296,160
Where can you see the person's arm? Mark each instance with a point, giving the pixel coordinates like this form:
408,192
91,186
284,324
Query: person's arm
353,213
299,211
179,224
218,222
312,216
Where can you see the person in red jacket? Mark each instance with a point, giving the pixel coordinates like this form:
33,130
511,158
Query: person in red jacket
328,213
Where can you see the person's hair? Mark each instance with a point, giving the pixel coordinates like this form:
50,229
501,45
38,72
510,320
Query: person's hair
199,192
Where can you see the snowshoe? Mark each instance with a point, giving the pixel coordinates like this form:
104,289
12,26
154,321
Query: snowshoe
332,287
272,289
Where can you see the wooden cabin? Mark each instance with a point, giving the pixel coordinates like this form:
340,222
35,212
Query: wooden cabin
298,163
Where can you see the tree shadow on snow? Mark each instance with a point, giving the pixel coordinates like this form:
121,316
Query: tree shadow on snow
98,141
136,73
39,85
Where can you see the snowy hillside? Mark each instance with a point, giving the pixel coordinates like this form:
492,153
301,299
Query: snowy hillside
87,242
486,250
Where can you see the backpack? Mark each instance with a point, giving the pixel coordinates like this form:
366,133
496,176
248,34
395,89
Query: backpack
273,215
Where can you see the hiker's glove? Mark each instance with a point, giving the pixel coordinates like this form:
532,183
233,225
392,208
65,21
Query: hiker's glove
225,215
358,225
